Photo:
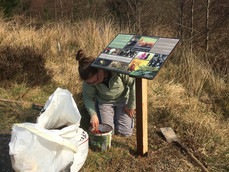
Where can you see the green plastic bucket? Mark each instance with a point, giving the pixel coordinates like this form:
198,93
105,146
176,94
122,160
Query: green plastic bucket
100,141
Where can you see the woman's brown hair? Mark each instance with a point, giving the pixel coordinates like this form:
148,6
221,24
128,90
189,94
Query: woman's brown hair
85,69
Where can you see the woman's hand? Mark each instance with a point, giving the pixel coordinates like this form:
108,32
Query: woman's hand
130,112
94,121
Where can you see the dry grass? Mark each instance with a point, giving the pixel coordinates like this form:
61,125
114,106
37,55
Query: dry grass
186,95
192,119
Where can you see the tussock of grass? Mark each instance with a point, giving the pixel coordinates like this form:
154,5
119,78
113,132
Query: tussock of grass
186,95
191,118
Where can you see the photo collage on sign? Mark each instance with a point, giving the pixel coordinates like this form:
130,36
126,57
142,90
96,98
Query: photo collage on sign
134,55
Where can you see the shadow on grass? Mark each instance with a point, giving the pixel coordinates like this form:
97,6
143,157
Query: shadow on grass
118,143
85,118
159,133
5,162
23,65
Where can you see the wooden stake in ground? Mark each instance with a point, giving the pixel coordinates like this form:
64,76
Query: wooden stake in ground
141,116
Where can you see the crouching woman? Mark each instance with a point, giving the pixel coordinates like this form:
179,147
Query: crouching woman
109,97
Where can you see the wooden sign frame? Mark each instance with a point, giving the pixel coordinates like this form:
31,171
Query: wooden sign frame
136,55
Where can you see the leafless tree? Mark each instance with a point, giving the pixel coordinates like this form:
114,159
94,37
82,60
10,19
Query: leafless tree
207,25
192,25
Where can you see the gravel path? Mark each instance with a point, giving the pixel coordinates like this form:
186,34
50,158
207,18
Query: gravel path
5,163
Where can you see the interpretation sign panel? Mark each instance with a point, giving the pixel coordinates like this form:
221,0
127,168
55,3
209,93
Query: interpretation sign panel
136,55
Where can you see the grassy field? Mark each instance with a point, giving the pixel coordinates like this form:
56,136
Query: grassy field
186,95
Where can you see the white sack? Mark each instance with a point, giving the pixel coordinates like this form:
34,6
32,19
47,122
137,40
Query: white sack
34,149
59,110
43,148
81,155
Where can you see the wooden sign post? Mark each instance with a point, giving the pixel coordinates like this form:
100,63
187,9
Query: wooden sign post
141,116
142,57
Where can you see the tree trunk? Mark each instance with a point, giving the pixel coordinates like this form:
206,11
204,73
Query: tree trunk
207,26
192,25
138,8
55,10
72,11
61,9
180,28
